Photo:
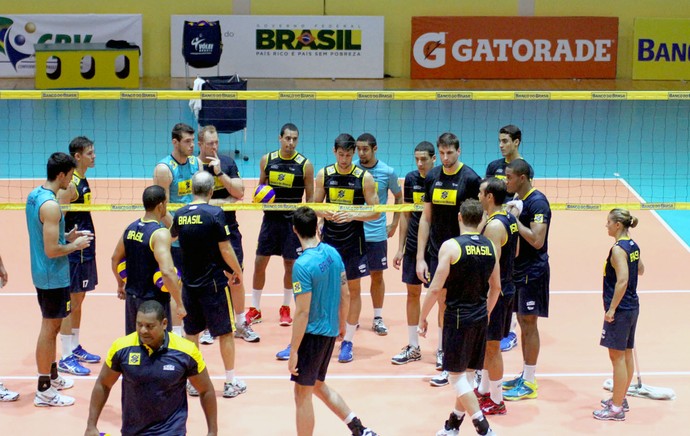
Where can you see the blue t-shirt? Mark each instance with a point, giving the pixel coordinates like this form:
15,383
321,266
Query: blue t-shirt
318,271
385,179
46,272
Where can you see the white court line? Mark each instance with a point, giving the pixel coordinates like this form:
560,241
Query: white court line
286,376
388,294
656,215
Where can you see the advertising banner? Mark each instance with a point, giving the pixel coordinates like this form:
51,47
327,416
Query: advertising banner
286,46
19,33
660,49
514,47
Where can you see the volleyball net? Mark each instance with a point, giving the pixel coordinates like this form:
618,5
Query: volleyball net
590,150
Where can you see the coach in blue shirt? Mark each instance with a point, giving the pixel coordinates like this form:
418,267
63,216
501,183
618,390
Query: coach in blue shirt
155,366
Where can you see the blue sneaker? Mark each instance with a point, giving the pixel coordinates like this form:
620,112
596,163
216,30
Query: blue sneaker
524,390
71,365
284,354
345,354
509,342
84,356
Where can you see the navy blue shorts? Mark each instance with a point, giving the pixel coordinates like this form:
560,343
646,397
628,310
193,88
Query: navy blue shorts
209,307
313,357
620,334
132,303
54,303
236,243
83,276
501,316
356,266
377,255
409,269
532,295
432,264
464,345
276,238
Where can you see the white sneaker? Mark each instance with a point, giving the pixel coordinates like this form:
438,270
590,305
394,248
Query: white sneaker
191,390
234,388
244,331
7,395
51,398
439,380
206,338
61,383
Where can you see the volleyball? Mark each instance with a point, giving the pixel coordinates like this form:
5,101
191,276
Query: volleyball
158,280
264,194
122,269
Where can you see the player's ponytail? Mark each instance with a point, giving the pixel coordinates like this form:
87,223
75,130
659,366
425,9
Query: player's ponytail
623,216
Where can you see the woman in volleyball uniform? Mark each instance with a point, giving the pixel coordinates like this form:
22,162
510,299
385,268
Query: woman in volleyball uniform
622,307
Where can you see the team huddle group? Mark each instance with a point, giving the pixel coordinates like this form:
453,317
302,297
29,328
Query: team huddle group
480,246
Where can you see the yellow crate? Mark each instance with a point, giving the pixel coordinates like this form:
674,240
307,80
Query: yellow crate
102,74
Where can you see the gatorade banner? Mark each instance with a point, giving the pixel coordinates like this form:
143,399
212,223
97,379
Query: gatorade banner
19,33
288,46
661,49
514,47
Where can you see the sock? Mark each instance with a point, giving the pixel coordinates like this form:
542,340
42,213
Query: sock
412,335
287,296
177,329
75,339
256,298
350,332
529,372
66,345
230,376
378,312
440,338
458,413
496,390
484,385
43,382
616,409
513,324
53,371
348,419
240,319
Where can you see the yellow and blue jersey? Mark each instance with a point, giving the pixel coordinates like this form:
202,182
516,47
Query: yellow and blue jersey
630,301
82,220
141,263
346,189
532,262
154,398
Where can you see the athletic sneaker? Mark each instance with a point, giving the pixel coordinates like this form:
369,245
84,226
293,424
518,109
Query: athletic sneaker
285,319
358,429
439,360
60,383
234,388
244,331
523,391
607,414
481,397
379,327
345,354
509,342
191,390
490,408
510,384
51,398
439,380
452,426
253,316
206,338
609,402
284,354
71,365
7,395
408,354
84,356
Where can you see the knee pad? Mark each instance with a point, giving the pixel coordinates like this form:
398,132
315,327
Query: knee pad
460,383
